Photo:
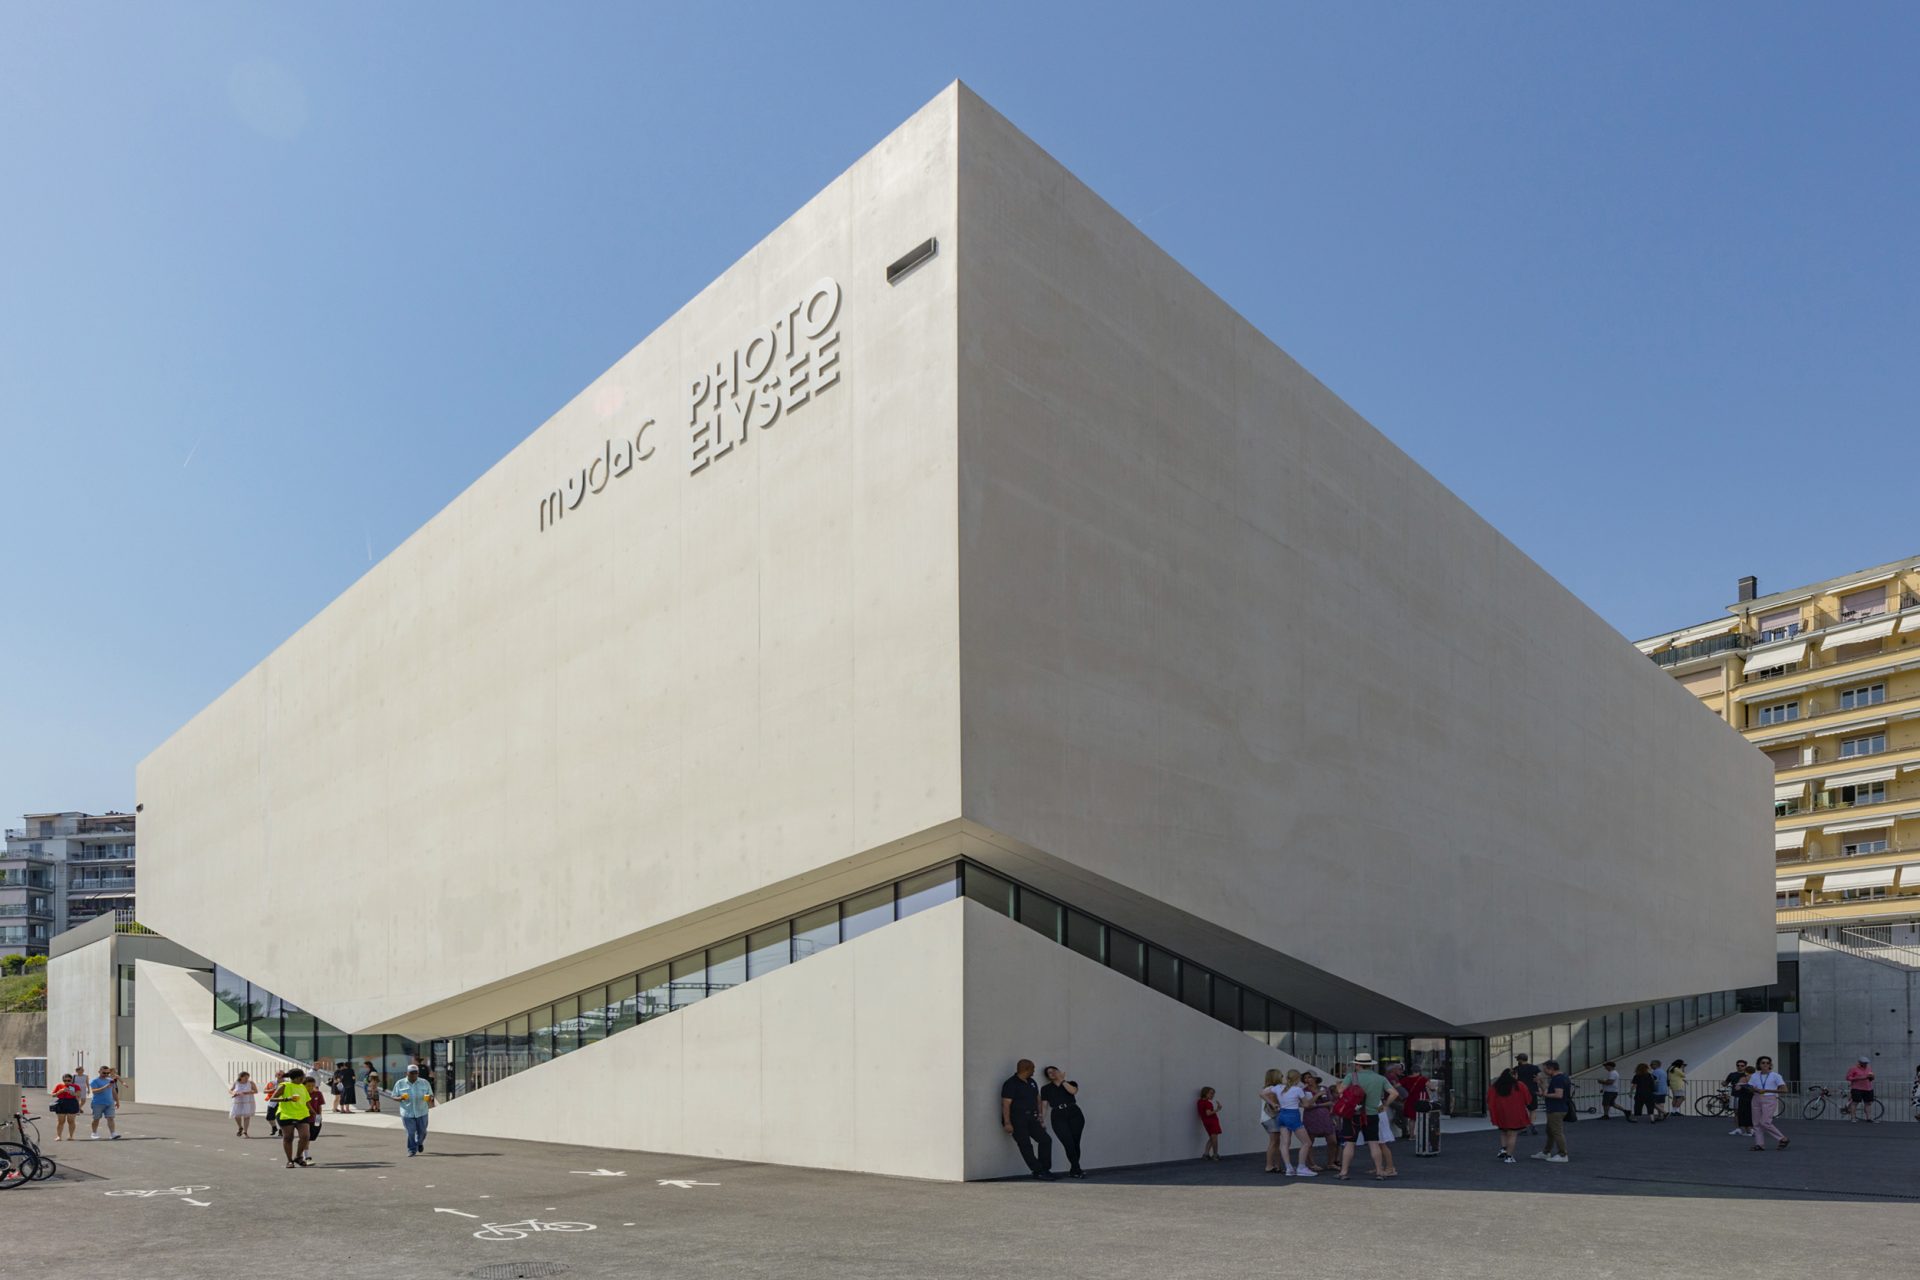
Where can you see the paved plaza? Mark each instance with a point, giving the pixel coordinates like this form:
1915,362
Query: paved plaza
181,1197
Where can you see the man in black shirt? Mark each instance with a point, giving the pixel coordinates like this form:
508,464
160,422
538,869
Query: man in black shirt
1529,1077
1020,1117
1742,1098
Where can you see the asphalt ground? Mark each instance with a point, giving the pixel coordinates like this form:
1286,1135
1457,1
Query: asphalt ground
182,1197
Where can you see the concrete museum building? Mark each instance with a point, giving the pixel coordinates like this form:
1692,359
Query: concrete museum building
954,636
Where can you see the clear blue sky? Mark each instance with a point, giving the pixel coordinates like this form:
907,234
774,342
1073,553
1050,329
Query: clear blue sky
276,282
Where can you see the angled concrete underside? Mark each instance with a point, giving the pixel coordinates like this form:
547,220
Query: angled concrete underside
181,1060
886,1054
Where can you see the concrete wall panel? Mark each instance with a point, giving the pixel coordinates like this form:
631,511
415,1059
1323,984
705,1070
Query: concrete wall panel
1140,1057
1227,648
795,1067
693,687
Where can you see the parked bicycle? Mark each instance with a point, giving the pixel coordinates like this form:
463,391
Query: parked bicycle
1715,1105
1819,1098
21,1162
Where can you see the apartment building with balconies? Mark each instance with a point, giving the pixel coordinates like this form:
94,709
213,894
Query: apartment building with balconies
1824,680
60,870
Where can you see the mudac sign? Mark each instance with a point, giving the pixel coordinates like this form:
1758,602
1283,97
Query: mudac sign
773,374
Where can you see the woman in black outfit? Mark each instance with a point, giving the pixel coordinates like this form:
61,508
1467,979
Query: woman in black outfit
1062,1099
1642,1092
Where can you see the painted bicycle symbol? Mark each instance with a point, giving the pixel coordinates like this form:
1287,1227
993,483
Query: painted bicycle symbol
162,1191
522,1229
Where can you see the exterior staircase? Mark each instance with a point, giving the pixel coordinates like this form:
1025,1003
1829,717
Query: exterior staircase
1869,942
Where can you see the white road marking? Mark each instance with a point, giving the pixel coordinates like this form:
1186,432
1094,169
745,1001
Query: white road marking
602,1173
684,1183
464,1215
202,1203
161,1191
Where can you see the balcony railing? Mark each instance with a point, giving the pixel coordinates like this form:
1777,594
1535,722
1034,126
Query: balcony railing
25,909
83,856
93,883
25,882
1700,649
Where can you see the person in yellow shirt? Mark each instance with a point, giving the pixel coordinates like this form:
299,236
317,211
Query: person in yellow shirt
295,1107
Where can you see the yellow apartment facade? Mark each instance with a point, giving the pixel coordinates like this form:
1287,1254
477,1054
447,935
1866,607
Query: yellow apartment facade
1824,679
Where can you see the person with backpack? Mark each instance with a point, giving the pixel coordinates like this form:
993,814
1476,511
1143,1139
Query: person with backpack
1661,1090
1358,1105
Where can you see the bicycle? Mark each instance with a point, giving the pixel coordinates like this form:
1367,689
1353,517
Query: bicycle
1715,1105
1819,1098
21,1162
520,1230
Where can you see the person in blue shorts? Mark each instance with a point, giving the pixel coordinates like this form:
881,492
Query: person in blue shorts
101,1087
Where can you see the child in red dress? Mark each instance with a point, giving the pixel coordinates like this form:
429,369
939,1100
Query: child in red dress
1209,1117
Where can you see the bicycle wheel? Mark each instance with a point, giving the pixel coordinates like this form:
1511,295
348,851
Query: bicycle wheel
18,1166
566,1226
1711,1106
1815,1106
46,1170
1876,1110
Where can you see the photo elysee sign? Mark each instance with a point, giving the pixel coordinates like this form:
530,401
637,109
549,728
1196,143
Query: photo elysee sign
772,374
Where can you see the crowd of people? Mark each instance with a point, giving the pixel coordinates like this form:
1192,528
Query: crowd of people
101,1093
1301,1112
1315,1123
295,1103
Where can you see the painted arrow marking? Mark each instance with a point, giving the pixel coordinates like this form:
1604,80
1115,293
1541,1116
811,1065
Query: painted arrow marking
684,1183
603,1173
464,1215
202,1203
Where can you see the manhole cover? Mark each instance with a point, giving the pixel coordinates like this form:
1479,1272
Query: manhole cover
519,1270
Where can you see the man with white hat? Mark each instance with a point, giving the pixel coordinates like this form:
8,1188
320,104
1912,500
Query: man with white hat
1364,1124
415,1097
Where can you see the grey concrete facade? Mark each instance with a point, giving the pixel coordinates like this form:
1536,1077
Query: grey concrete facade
1850,1006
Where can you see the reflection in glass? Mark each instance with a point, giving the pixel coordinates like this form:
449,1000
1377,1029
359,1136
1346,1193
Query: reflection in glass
1163,972
1040,914
1196,987
1226,1002
689,979
928,889
595,1017
726,965
623,1003
566,1025
656,986
815,932
988,889
865,912
1127,955
769,949
1087,936
543,1035
519,1042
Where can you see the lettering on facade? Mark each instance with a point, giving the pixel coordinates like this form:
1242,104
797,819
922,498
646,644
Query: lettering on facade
776,372
615,459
